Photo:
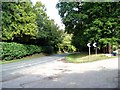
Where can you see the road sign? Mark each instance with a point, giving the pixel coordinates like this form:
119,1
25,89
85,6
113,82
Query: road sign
95,44
88,45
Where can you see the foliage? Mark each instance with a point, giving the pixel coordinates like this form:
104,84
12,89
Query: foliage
91,22
18,21
48,32
65,45
25,23
14,50
41,19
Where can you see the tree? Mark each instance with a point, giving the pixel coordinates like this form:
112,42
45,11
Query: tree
42,19
48,32
55,34
0,21
18,21
24,23
91,22
66,45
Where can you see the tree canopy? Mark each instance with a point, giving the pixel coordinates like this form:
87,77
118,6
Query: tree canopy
18,21
91,22
48,32
66,44
26,23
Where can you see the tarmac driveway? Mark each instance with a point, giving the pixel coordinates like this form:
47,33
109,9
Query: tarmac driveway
58,74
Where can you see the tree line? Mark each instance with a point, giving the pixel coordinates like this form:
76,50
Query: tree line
25,23
92,22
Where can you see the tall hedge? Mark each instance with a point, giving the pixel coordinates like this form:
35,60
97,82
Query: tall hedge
10,51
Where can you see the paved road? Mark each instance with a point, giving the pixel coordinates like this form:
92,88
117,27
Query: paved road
32,62
8,71
57,74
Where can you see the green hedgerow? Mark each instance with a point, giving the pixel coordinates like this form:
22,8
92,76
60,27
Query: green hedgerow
10,51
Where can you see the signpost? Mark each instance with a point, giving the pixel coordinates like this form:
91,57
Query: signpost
89,47
95,45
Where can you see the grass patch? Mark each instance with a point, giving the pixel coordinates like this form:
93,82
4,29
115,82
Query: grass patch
24,58
84,57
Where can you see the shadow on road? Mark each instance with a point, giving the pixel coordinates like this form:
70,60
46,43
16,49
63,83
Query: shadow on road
103,78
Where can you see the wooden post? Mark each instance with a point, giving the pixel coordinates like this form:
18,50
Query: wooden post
96,50
109,48
89,54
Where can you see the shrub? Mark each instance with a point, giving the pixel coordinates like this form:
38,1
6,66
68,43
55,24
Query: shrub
10,51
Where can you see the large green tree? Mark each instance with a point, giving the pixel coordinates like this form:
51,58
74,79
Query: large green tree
49,33
91,22
18,21
26,23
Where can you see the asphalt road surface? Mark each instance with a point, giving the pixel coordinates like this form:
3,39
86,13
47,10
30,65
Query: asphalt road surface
8,69
50,72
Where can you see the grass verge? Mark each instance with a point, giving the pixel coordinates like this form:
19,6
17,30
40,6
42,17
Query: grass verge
24,58
84,57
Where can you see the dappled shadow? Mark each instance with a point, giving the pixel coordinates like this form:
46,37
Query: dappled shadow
104,78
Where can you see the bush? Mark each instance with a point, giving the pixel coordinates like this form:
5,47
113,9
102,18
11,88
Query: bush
10,51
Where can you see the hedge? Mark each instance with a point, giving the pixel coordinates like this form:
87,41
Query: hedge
10,51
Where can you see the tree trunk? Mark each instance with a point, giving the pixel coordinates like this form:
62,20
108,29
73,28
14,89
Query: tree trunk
109,48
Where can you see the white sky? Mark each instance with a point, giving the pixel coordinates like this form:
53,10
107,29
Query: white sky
52,12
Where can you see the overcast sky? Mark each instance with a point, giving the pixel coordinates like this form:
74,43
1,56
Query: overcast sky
52,12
